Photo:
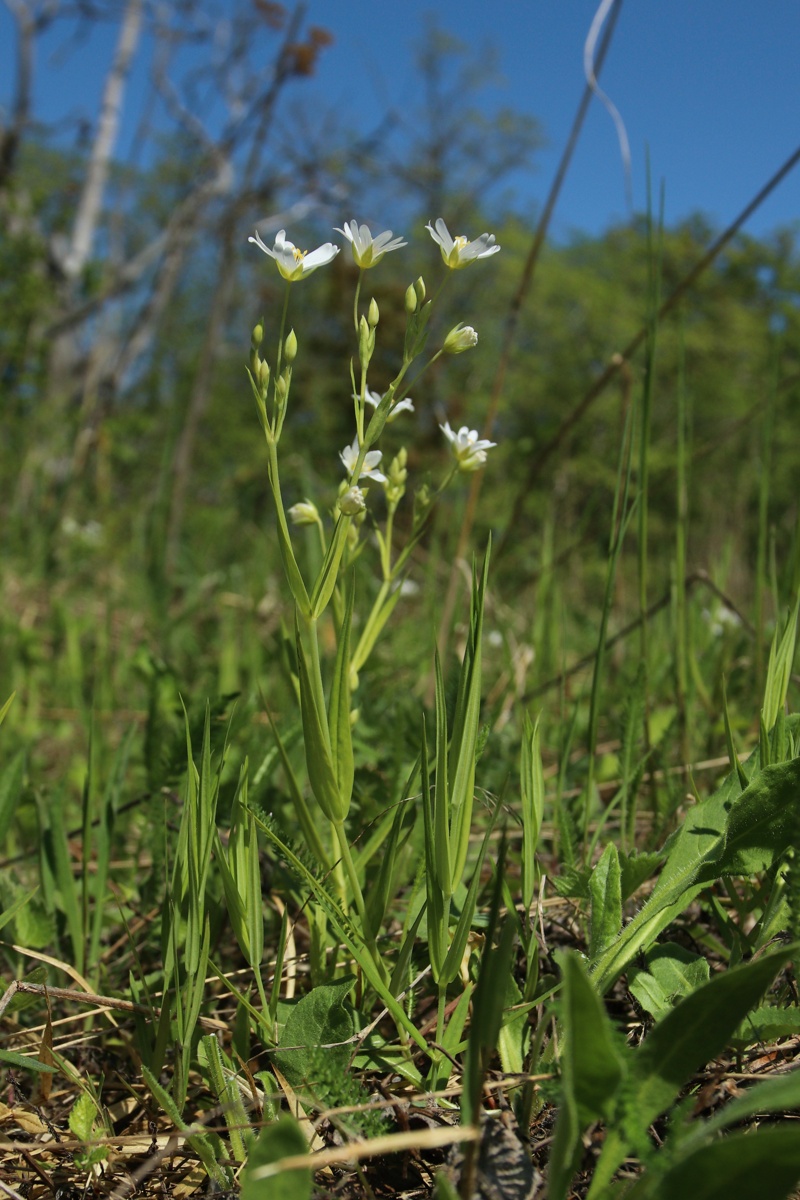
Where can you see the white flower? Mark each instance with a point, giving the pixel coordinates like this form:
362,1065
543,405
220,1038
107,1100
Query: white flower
367,250
468,449
352,502
293,263
458,252
349,457
407,405
459,339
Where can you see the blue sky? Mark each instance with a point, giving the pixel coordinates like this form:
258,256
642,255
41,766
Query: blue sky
710,87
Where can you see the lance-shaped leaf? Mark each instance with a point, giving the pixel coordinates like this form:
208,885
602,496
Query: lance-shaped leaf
532,800
779,669
316,737
341,738
606,893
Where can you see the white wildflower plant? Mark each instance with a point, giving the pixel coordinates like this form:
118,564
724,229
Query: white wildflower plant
459,252
292,263
469,450
367,498
368,250
374,399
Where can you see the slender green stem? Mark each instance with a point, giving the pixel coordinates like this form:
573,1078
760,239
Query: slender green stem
355,301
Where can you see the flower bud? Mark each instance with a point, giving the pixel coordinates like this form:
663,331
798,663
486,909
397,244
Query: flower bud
263,375
257,336
304,513
366,343
419,289
352,502
411,300
460,338
290,347
373,316
280,387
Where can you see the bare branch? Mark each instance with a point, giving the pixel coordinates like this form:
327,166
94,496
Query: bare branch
91,200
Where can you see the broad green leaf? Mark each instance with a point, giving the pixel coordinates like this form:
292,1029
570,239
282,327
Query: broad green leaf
346,931
606,894
672,973
766,1025
780,1094
697,1030
284,1139
593,1067
760,1165
319,1020
725,836
82,1116
692,1034
635,868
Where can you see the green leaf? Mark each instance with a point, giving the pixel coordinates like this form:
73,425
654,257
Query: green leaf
532,805
635,868
24,1063
11,782
284,1139
6,707
341,737
82,1116
726,835
697,1030
672,973
779,669
320,1019
766,1025
593,1067
606,894
761,1165
316,736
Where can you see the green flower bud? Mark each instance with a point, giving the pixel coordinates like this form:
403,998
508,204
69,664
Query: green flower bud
460,338
304,513
373,316
366,343
290,347
257,336
419,290
263,375
352,502
280,387
411,300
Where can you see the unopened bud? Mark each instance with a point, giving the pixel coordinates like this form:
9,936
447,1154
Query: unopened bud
304,513
263,375
411,300
352,502
373,315
290,347
419,289
280,387
257,336
460,338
